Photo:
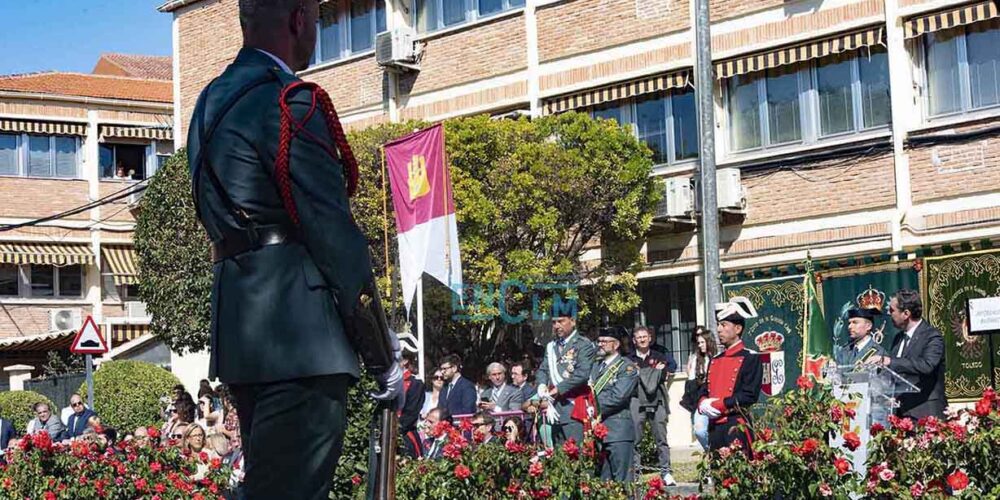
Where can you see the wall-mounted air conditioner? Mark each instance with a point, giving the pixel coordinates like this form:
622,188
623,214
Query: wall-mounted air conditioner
397,49
65,319
677,202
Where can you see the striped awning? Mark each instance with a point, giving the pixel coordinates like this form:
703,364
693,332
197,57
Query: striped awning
121,262
124,333
624,90
957,16
799,53
34,127
53,254
151,133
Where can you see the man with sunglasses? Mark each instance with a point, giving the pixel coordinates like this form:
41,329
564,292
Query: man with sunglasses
76,423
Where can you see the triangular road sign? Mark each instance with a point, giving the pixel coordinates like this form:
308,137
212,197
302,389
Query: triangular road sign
88,339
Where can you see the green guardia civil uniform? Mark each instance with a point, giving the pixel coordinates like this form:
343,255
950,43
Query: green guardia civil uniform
614,383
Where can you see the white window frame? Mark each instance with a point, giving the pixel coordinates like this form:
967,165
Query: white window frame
809,109
471,14
964,80
25,290
22,152
343,8
629,114
148,169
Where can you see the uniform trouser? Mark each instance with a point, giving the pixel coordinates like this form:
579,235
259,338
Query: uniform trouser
563,431
723,434
616,461
292,433
657,418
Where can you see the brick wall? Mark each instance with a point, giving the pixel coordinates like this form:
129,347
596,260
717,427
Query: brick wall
568,28
352,85
24,320
834,187
481,51
24,197
210,37
116,211
724,9
958,169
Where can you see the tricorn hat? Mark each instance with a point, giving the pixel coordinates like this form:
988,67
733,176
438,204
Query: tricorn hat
866,313
737,311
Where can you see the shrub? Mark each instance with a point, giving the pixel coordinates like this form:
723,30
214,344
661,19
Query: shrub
16,406
127,393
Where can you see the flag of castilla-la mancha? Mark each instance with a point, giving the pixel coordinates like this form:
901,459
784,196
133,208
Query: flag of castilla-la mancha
425,210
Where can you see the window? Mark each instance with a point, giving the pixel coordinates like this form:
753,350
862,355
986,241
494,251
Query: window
8,280
8,154
431,15
669,308
348,27
840,94
963,68
666,123
122,161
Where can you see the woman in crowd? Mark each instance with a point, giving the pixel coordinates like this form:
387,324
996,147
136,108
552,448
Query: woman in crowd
512,429
207,417
230,425
697,370
218,447
183,413
431,399
193,439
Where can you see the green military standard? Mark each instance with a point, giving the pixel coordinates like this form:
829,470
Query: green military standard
613,381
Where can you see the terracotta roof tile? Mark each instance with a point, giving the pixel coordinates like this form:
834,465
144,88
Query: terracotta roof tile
138,66
86,85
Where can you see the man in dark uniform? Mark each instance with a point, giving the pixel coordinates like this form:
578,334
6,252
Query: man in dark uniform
861,347
613,380
650,402
291,269
562,379
734,379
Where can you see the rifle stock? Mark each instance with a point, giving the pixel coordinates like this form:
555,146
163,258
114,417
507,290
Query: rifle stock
382,454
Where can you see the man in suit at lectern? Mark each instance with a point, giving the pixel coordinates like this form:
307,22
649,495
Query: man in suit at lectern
917,354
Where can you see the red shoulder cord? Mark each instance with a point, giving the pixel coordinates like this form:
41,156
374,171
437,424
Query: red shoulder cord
290,128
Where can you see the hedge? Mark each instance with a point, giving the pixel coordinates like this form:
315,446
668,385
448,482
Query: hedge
16,406
127,393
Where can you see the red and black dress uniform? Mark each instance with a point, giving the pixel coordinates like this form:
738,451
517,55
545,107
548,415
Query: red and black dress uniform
734,379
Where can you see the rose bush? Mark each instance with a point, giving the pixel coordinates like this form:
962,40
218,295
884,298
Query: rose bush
38,468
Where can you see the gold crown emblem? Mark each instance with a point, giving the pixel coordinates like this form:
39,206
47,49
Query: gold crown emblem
417,172
769,341
871,299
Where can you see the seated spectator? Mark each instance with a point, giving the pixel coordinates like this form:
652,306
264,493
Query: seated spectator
482,427
207,418
77,421
67,411
230,425
6,436
176,436
183,413
432,447
140,437
218,447
512,429
431,397
193,439
44,421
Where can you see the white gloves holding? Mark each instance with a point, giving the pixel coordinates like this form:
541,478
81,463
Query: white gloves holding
706,408
392,379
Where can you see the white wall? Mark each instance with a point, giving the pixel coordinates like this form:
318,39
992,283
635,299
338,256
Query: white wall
190,368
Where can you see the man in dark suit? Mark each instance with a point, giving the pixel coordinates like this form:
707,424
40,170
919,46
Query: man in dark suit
520,372
6,434
562,379
650,402
917,354
459,394
77,421
290,265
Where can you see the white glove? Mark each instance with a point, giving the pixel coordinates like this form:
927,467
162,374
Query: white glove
706,408
392,379
543,391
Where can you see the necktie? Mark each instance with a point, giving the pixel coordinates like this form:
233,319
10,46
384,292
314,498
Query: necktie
902,345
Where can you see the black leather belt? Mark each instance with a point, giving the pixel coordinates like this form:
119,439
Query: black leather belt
239,243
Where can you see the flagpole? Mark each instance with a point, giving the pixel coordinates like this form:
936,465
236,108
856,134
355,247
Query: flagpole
421,357
385,225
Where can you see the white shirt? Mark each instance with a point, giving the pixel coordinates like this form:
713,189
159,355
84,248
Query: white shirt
281,64
859,347
610,359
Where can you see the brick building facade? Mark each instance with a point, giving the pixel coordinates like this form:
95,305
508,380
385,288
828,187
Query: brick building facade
858,128
66,141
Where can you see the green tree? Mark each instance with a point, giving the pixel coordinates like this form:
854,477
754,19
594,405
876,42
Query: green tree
127,393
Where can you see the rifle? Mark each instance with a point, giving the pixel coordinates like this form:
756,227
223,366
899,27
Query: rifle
382,453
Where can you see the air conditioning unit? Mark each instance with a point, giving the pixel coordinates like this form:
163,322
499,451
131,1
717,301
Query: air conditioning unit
133,199
64,319
397,49
732,196
677,202
136,310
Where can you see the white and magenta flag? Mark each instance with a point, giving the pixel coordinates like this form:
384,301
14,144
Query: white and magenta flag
425,210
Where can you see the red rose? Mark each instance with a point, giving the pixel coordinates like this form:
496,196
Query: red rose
140,484
48,494
203,456
984,407
842,466
729,482
917,490
656,483
462,472
198,496
804,382
571,449
536,469
159,488
767,434
990,394
788,411
355,480
153,432
852,441
850,412
7,482
809,446
465,425
451,451
215,463
478,437
585,488
600,431
877,428
155,467
958,481
513,488
836,413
